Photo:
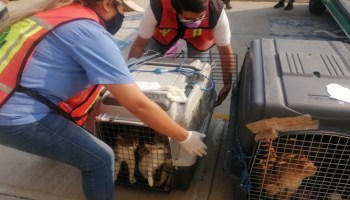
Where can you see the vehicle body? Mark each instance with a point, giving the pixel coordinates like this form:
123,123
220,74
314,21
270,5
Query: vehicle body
339,9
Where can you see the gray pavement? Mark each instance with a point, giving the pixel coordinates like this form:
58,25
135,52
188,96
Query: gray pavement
24,176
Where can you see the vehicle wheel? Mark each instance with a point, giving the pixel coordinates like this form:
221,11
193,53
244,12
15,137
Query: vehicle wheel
316,7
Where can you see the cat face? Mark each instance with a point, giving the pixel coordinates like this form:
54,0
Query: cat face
157,147
131,141
295,165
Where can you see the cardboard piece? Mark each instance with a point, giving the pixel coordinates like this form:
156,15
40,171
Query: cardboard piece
269,128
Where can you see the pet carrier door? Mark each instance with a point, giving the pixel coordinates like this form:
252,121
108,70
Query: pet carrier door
309,164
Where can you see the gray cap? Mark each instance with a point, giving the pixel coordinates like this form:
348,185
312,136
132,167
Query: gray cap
132,6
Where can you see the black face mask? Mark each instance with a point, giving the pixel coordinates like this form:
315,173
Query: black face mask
114,24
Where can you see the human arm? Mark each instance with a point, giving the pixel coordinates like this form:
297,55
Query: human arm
222,35
227,67
137,48
145,33
133,99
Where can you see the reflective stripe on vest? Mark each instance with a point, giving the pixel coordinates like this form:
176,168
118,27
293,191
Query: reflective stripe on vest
80,104
200,38
18,42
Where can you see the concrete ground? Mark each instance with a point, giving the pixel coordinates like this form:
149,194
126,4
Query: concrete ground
24,176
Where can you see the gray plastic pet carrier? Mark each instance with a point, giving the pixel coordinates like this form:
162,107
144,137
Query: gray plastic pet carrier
182,87
288,79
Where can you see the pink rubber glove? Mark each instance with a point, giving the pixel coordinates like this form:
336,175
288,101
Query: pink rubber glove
171,53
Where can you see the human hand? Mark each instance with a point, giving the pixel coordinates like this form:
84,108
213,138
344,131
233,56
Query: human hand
222,95
193,144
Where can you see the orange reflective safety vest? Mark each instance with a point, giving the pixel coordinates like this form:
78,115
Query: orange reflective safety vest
17,44
169,29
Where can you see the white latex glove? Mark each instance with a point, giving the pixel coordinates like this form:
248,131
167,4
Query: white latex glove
194,145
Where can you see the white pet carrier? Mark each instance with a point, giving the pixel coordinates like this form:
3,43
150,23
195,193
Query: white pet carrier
181,87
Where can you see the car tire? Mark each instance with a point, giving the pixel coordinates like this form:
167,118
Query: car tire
316,7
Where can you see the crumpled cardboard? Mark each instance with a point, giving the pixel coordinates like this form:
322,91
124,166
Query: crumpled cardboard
269,128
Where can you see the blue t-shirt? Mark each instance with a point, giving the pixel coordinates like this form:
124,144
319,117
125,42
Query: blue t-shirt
70,58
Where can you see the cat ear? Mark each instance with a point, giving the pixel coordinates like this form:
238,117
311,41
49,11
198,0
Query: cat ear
143,151
148,147
119,137
301,158
160,146
135,138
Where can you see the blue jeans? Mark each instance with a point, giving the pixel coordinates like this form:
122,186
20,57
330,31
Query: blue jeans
60,139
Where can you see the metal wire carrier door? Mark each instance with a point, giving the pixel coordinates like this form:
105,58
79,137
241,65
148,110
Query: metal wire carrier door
220,71
303,165
143,157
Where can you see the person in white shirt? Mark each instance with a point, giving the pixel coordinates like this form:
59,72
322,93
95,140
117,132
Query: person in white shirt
200,23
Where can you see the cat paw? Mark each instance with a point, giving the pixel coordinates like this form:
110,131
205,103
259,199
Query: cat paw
150,182
132,180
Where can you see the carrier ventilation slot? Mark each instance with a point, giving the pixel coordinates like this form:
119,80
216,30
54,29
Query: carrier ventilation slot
326,65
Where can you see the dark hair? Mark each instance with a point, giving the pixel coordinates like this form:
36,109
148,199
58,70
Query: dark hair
88,3
196,6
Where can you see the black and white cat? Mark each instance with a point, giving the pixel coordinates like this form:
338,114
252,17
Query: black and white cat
155,157
125,152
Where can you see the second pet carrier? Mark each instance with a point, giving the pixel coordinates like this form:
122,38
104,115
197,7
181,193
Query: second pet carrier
183,88
288,138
